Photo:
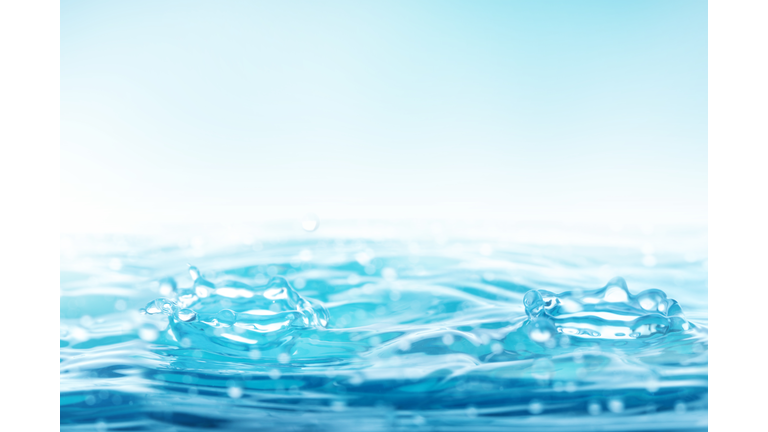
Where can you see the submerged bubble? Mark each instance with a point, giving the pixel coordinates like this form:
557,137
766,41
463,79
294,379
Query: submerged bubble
235,392
448,339
120,305
594,408
535,407
616,405
680,407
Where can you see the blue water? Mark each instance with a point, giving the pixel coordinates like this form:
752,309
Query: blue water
337,335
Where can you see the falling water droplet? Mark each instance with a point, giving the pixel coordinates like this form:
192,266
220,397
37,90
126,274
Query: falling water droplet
310,222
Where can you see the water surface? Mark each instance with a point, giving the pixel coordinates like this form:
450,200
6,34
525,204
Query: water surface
383,335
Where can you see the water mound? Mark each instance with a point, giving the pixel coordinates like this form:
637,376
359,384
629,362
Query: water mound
236,318
611,312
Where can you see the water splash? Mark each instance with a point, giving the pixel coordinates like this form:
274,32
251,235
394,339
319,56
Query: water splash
610,312
236,318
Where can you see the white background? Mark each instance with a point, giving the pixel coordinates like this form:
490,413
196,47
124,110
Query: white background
29,225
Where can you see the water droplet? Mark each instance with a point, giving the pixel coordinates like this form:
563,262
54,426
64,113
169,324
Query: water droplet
310,222
186,315
284,358
497,348
274,374
226,317
120,305
194,273
115,264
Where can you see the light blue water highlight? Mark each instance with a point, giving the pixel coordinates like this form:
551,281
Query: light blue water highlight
362,335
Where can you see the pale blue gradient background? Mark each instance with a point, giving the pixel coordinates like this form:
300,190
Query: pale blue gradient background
539,110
